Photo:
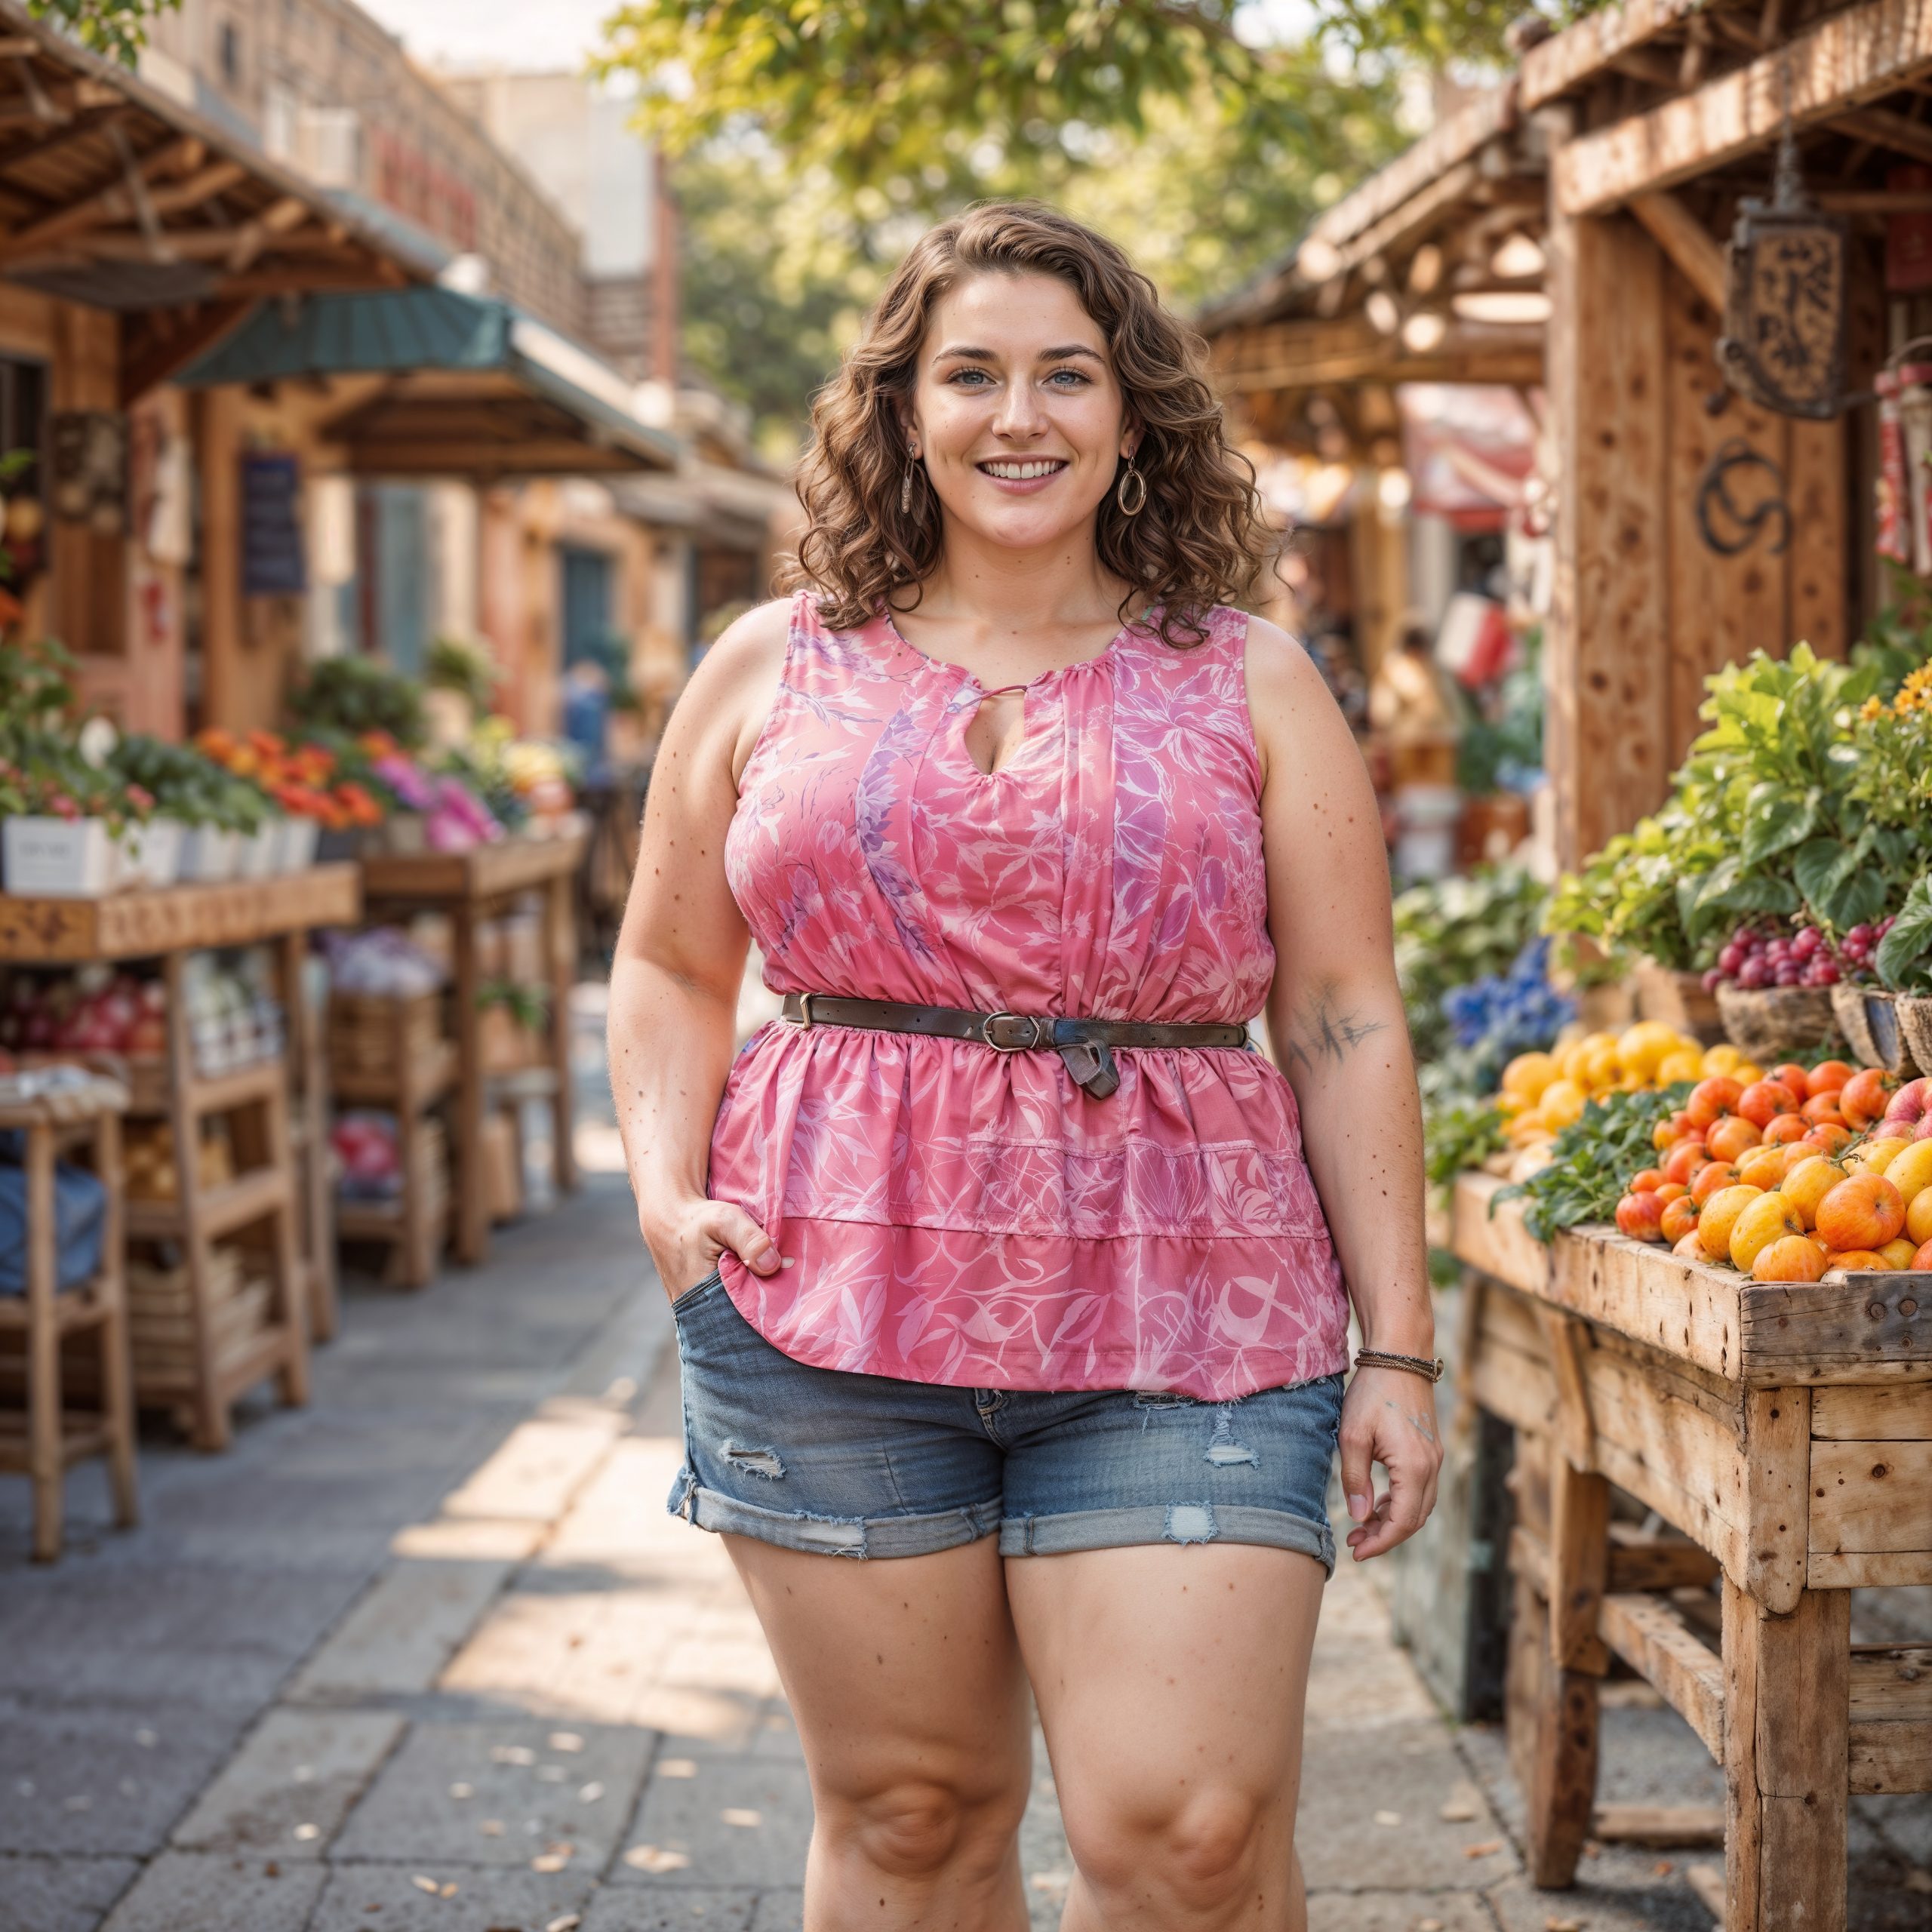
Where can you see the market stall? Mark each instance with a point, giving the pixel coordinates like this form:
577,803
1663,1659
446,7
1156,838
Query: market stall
237,1267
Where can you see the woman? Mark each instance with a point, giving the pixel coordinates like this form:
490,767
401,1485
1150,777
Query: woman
1042,1320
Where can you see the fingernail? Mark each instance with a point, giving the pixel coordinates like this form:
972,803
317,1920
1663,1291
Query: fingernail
790,1261
766,1262
1359,1508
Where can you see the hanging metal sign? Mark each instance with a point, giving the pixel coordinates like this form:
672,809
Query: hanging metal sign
1785,276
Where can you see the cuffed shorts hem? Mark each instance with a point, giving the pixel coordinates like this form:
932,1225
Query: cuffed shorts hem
834,1536
1173,1522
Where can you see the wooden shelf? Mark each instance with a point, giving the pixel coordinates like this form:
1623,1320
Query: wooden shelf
381,1220
179,918
80,1306
484,872
1865,1327
234,1204
522,1083
436,1077
79,1439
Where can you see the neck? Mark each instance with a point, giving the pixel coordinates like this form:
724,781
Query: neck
999,591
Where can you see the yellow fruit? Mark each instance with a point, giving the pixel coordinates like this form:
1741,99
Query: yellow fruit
1746,1071
1919,1215
1898,1253
1510,1105
1681,1064
1910,1172
1562,1102
1527,1126
1720,1216
1528,1074
1723,1058
1876,1157
1808,1183
1642,1047
1569,1060
1769,1218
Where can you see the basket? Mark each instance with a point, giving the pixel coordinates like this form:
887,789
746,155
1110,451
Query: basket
1774,1022
1868,1018
362,1030
1678,1000
1915,1017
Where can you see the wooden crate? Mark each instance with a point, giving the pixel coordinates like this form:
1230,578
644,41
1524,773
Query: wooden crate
365,1030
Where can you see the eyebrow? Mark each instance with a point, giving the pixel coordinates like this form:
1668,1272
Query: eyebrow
968,354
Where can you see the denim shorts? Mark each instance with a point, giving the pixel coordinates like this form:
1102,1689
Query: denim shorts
851,1464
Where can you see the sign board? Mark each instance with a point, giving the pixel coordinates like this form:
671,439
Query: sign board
274,562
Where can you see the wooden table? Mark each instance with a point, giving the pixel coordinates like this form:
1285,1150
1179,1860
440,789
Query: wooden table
467,888
293,1197
1785,1431
47,1436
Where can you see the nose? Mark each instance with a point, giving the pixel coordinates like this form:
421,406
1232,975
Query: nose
1020,416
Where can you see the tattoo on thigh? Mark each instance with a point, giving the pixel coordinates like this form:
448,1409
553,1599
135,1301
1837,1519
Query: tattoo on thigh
1324,1036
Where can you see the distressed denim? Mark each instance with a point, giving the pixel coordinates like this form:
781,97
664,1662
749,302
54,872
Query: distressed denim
851,1464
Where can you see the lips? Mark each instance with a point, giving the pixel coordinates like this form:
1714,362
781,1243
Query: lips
1032,469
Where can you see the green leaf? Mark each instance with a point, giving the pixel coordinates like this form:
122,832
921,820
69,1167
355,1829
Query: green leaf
1774,820
1819,867
1907,944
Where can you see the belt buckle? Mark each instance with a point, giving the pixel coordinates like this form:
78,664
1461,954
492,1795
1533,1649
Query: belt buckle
805,1011
1028,1045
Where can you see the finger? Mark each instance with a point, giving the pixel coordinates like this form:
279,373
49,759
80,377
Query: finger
1357,1485
733,1227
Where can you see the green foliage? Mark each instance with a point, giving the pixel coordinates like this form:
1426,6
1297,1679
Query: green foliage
354,694
1454,931
1624,898
457,665
1905,954
36,686
187,785
1460,1132
1592,1160
1500,745
528,1006
116,28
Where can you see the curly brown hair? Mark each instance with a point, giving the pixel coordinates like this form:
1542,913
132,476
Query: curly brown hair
1199,541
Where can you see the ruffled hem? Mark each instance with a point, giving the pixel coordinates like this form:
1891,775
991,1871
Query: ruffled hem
1212,1319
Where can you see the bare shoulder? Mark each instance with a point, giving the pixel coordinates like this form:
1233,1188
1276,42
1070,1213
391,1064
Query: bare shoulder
723,705
1297,723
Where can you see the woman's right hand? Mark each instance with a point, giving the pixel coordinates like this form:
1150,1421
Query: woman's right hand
685,1247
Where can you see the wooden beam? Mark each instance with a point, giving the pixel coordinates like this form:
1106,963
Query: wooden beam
1661,1827
1651,1636
109,203
79,129
1853,57
254,236
197,188
149,360
1884,129
1874,201
1580,54
1890,1740
1693,251
1654,70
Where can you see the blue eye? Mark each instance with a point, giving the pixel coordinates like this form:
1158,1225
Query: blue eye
959,376
1075,373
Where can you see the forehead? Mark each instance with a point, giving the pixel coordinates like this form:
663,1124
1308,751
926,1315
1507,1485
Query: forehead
1016,316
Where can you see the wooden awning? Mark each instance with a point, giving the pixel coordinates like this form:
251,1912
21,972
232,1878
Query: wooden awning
114,195
1432,271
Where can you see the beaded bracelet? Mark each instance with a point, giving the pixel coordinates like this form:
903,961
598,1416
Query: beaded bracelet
1411,1365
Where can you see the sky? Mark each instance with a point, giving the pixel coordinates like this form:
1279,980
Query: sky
558,34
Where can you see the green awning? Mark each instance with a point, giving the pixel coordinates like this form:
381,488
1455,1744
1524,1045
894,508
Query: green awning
471,386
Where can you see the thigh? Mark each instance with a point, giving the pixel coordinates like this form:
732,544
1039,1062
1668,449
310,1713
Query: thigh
902,1671
1168,1674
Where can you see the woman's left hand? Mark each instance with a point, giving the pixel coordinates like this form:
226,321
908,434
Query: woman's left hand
1388,1417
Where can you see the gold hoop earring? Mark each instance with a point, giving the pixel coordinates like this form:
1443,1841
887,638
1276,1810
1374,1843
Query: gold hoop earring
906,483
1139,482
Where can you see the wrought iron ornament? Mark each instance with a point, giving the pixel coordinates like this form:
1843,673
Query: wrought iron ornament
1716,506
1785,277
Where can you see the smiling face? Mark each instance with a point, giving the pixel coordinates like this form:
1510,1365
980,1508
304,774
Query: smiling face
1015,412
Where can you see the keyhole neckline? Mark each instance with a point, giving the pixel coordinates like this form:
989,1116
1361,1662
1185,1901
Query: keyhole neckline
966,677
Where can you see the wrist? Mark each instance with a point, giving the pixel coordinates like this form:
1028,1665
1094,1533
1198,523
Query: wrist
1407,1338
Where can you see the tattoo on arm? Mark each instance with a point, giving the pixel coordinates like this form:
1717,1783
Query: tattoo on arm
1324,1036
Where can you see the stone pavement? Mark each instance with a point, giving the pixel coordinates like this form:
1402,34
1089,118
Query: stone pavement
429,1656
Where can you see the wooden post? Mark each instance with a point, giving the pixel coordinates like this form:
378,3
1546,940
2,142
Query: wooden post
1787,1699
117,1374
472,1207
560,954
44,1421
1606,652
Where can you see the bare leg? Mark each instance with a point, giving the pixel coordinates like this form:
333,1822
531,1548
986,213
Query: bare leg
1171,1682
905,1679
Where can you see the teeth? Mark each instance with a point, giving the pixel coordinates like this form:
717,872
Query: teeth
1019,472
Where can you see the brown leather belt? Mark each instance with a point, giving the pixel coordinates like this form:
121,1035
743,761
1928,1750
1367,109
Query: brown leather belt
1083,1044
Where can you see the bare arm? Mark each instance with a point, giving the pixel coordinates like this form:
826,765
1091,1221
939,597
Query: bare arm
681,956
1335,1015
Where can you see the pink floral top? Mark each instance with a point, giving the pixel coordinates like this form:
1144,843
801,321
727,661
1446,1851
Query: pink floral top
960,1215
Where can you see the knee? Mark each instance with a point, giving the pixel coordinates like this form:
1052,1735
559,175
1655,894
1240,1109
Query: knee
1199,1854
919,1828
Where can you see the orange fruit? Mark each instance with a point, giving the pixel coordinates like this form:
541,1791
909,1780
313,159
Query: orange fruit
1898,1253
1646,1182
1769,1218
1669,1190
1781,1129
1808,1183
1876,1157
1712,1178
1682,1162
1763,1167
1828,1076
1862,1211
1794,1076
1711,1099
1854,1260
1821,1108
1690,1247
1680,1218
1763,1100
1790,1258
1922,1260
1729,1137
1662,1138
1918,1216
1832,1139
1720,1216
1862,1098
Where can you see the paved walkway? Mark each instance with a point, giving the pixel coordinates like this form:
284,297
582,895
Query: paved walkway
429,1656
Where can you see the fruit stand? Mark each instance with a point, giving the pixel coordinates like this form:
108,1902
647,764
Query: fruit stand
467,888
202,1336
1784,1431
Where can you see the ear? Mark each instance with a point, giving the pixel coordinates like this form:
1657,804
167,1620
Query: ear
1130,441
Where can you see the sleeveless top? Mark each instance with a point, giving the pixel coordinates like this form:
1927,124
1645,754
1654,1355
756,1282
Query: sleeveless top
961,1216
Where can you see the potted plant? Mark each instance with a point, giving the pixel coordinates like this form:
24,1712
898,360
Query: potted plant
65,823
